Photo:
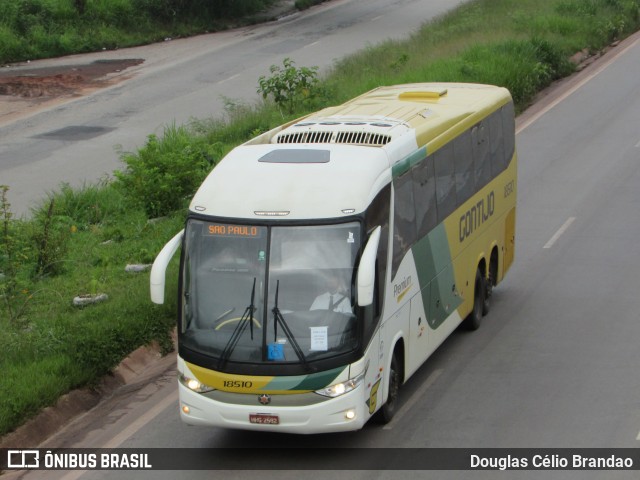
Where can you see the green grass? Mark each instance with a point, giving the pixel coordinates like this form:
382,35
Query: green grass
31,29
80,243
53,346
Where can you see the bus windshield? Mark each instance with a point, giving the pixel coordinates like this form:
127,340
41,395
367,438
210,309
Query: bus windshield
269,294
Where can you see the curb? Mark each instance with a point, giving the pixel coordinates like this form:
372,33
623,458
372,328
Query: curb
142,365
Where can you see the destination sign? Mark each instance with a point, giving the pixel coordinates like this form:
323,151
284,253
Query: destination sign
234,230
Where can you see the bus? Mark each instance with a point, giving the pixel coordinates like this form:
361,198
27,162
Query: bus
324,261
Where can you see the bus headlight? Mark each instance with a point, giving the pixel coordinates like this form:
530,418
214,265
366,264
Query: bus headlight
341,388
195,385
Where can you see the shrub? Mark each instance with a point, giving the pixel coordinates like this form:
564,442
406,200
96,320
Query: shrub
50,236
87,205
16,258
289,86
163,175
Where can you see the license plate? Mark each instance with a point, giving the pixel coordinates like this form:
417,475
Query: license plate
264,419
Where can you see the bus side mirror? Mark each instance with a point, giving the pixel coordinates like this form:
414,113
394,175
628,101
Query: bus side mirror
367,270
159,268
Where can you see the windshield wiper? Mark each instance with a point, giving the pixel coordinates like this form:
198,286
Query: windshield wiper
247,317
278,318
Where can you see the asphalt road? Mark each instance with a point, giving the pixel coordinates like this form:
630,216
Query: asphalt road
556,362
75,142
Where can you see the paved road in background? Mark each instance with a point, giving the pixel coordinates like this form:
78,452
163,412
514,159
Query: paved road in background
184,79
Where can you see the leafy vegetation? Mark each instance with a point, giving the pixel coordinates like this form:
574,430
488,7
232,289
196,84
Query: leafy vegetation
33,29
163,173
79,240
289,87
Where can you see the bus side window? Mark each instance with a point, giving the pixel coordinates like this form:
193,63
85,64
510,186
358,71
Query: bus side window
378,215
481,159
404,219
465,184
509,130
424,192
445,181
497,143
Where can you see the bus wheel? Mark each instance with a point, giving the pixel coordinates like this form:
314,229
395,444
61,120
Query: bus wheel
488,290
490,282
479,296
388,410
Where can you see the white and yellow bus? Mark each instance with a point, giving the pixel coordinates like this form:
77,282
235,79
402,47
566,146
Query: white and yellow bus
322,262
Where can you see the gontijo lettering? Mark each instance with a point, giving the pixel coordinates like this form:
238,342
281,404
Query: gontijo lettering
477,215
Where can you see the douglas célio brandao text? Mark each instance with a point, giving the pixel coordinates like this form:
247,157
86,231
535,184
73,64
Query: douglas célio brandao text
551,462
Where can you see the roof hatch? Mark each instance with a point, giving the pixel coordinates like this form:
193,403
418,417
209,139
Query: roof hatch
423,95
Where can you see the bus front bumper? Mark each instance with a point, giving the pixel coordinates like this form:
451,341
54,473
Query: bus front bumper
344,413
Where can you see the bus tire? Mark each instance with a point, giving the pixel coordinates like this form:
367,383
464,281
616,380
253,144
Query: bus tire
473,320
388,410
486,303
490,282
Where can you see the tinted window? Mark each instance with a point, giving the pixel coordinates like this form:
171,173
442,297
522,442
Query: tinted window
424,191
497,143
481,158
445,181
378,215
509,130
404,220
465,184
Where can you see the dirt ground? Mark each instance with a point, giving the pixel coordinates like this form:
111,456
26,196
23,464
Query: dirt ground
27,89
70,79
59,80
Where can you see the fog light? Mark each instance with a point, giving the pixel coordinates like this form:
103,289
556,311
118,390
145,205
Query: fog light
350,414
186,409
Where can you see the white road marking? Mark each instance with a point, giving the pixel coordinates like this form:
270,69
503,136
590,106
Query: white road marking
312,44
142,420
227,79
560,231
376,18
638,437
414,398
128,432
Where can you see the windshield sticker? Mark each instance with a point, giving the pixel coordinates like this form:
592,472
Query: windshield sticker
319,339
350,239
275,351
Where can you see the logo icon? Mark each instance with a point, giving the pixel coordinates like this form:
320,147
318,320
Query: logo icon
23,459
264,399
